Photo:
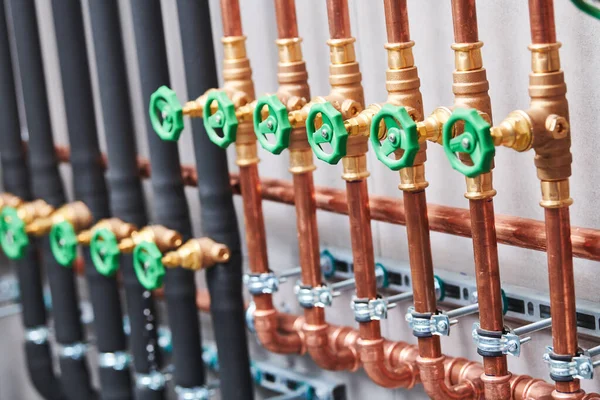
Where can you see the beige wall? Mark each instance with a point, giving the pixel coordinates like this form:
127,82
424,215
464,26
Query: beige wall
504,28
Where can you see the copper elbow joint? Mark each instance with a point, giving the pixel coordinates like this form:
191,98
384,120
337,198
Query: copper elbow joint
376,366
319,345
266,325
433,377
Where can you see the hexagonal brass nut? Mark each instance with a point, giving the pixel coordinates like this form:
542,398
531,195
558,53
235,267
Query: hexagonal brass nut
557,126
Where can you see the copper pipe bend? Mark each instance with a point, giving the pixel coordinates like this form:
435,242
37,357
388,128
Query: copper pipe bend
524,387
318,342
433,377
266,324
377,366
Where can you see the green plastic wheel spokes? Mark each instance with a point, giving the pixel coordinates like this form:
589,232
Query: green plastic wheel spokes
104,250
402,134
277,123
148,266
166,114
13,238
475,141
63,243
224,119
332,131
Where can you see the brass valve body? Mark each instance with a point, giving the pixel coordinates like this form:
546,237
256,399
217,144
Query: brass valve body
120,229
165,239
32,210
76,213
10,200
197,254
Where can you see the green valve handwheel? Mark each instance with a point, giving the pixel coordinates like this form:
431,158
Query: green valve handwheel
475,141
63,243
276,123
332,131
148,266
401,134
224,119
166,114
13,238
104,249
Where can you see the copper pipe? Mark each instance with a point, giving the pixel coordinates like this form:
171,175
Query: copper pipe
265,315
562,288
315,329
464,15
396,21
231,18
339,19
371,344
285,12
513,231
541,18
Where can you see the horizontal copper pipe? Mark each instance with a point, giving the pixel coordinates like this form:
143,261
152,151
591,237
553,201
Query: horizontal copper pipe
231,17
396,21
287,25
339,19
514,231
541,19
464,16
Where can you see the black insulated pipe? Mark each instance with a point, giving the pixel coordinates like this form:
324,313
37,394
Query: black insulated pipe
47,185
219,220
90,187
170,204
126,193
15,176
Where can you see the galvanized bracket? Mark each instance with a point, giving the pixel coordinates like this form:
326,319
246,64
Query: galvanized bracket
508,343
436,324
118,360
74,351
366,310
580,367
154,381
257,284
37,335
309,297
196,393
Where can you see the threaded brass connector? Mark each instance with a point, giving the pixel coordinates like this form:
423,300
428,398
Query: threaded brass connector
515,132
120,229
76,213
165,239
32,210
197,254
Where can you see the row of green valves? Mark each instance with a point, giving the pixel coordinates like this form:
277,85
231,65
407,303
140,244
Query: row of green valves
272,126
154,248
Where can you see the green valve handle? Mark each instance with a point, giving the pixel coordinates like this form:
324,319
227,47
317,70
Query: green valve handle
13,238
401,134
166,114
475,141
224,119
63,243
148,266
277,123
332,131
104,250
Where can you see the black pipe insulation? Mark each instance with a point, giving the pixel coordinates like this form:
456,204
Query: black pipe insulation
170,204
15,176
126,193
218,216
90,187
46,184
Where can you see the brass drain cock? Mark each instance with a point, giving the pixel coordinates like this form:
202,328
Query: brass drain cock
103,239
197,254
13,225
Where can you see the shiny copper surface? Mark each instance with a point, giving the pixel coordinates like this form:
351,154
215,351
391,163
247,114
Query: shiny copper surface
285,12
562,286
339,19
231,18
396,21
514,231
464,16
541,19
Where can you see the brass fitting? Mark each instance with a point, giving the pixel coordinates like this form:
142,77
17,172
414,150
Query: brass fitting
480,187
165,239
555,194
120,229
32,210
514,132
197,254
76,213
431,128
9,200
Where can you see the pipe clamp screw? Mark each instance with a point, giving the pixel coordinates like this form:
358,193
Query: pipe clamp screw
507,343
309,297
580,367
370,310
258,284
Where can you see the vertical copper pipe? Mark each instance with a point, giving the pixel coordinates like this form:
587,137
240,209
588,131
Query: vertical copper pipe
541,18
231,17
396,21
562,288
464,15
339,19
285,12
